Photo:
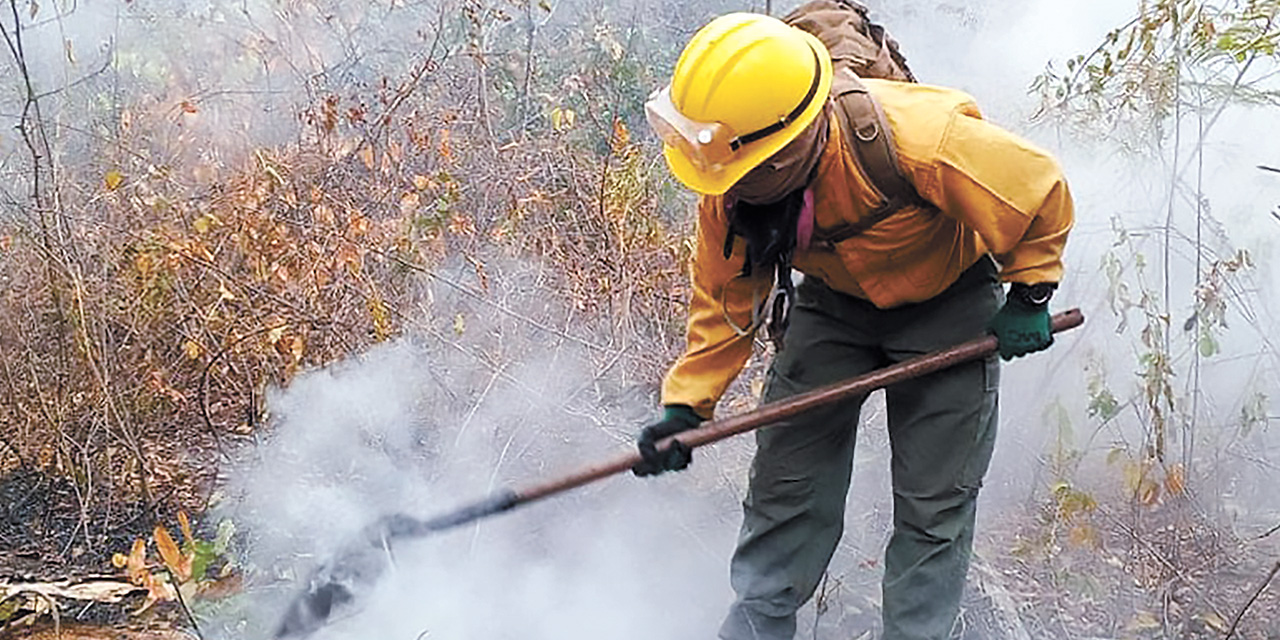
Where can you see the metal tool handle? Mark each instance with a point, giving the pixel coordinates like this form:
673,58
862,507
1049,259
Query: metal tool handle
716,430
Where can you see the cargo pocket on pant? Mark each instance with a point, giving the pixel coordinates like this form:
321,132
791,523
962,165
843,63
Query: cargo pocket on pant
984,435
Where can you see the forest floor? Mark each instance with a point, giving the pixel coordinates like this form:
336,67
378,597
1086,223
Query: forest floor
1180,580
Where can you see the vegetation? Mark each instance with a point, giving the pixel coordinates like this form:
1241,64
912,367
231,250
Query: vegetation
198,203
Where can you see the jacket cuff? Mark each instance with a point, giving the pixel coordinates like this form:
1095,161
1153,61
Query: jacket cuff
682,412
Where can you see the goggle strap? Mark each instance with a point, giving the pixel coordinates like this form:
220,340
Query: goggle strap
787,119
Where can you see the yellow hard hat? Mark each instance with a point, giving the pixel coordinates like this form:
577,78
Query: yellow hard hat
745,86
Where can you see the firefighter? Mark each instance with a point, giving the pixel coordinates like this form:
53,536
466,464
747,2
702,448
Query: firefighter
748,122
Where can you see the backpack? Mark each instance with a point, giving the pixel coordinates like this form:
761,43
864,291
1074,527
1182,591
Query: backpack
861,48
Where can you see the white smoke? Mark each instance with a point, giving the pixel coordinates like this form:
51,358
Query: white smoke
419,428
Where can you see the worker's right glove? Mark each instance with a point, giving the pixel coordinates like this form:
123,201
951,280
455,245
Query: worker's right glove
676,418
1023,325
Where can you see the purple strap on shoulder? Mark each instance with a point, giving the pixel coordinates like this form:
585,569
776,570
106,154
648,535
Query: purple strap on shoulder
804,225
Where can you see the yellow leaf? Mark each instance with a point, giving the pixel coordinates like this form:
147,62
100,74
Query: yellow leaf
274,334
119,560
1083,535
191,349
296,348
1144,621
1214,621
113,179
224,294
203,224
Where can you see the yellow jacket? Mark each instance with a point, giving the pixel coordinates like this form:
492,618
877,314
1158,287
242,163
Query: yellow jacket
994,192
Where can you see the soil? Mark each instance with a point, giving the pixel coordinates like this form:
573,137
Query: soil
45,534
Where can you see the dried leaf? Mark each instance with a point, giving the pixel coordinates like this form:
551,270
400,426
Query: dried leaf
70,49
1175,481
136,563
358,225
461,225
177,563
1149,493
191,350
113,179
446,149
296,347
185,524
409,203
221,588
421,182
621,136
366,156
119,560
189,107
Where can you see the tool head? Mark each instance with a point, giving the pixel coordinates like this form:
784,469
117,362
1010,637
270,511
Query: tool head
339,585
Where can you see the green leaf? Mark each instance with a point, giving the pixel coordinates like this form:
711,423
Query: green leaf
8,608
205,554
1115,455
1208,346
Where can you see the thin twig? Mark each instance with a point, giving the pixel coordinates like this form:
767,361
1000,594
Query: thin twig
182,602
1269,532
1236,622
1266,168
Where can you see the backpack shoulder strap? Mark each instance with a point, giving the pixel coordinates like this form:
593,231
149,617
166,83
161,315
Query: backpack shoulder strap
866,131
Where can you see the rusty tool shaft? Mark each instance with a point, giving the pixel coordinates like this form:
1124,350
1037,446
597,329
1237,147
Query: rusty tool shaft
716,430
358,565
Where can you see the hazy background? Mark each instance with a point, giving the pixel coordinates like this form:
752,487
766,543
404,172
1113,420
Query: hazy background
446,413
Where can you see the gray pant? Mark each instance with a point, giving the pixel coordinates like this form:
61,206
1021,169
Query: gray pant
941,429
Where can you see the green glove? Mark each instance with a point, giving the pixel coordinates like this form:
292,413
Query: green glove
676,418
1022,325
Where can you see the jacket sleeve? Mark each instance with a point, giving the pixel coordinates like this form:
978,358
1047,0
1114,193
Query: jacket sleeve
720,320
1010,192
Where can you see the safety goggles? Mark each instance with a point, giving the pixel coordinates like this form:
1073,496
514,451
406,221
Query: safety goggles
711,145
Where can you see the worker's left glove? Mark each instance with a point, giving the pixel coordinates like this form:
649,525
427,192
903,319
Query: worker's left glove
1022,325
676,418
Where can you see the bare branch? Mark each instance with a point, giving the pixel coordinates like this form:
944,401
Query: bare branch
1236,622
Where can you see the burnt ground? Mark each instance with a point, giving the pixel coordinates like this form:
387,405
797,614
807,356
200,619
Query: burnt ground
46,533
1170,574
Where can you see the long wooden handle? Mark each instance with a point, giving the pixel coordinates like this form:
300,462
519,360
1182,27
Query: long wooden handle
716,430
